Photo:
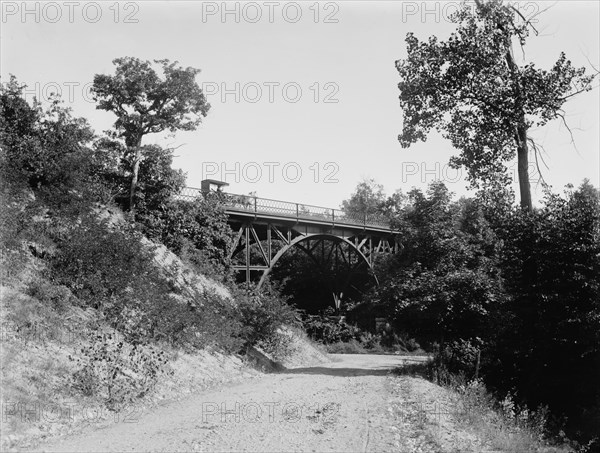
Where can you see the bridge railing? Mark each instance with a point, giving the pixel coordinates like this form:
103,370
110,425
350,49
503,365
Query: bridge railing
257,205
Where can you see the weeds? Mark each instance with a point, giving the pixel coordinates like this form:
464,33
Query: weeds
117,372
501,424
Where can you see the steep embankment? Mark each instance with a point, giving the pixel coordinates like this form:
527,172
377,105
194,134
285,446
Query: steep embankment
45,334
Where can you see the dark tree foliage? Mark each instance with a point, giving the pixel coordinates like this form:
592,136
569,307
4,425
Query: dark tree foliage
47,148
524,287
548,336
196,229
471,90
51,152
443,283
157,180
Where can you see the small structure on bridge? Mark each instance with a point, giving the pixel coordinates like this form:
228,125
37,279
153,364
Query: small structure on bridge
210,185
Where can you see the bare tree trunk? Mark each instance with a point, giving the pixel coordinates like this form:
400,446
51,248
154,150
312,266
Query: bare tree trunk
521,132
134,174
520,137
523,167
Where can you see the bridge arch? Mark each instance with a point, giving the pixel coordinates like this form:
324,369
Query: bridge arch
296,242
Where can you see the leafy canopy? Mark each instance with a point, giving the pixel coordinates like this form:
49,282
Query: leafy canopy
469,89
144,103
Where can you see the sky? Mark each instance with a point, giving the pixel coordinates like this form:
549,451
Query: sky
304,95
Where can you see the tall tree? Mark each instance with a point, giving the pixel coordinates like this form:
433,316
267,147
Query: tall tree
471,89
146,103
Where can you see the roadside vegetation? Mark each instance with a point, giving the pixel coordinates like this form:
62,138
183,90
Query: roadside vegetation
98,300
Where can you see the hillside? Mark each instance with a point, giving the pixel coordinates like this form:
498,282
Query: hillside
49,338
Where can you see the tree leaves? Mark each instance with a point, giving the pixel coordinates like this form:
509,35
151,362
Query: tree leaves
144,103
469,89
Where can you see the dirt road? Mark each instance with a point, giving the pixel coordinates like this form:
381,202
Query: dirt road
352,404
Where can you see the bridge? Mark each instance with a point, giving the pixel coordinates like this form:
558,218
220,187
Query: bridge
266,229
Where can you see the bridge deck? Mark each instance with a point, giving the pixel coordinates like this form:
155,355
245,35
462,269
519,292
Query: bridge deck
268,209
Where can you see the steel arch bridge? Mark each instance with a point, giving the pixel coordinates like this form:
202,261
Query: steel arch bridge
266,229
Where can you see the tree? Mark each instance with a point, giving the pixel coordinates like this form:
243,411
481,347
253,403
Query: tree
145,104
368,199
46,148
471,89
443,284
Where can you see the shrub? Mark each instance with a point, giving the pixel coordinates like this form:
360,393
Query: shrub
327,331
57,297
346,347
263,313
185,226
117,372
107,267
110,269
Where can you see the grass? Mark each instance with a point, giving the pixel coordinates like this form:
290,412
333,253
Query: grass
500,425
356,347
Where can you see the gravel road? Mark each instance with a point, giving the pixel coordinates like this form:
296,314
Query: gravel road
351,404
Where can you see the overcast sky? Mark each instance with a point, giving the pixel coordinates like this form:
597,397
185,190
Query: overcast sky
304,95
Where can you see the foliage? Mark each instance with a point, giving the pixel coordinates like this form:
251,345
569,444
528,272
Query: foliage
111,270
158,180
104,265
117,372
196,229
551,327
57,297
444,283
470,89
49,150
526,285
263,314
144,103
346,347
329,331
367,199
456,361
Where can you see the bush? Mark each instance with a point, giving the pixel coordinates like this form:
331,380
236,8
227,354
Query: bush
327,331
263,314
117,372
107,267
346,347
57,297
455,363
196,228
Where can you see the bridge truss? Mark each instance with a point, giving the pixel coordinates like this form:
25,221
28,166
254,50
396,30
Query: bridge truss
266,229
